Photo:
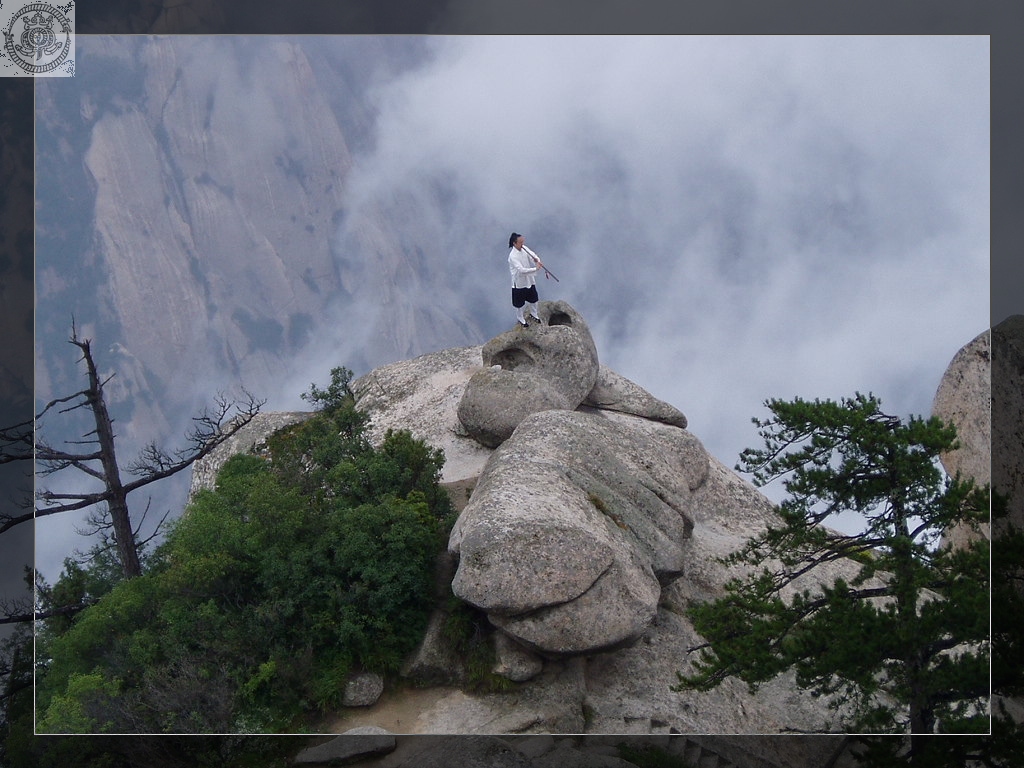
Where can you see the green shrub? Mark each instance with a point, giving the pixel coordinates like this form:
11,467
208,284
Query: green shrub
298,568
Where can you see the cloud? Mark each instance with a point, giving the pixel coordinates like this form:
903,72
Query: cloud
737,218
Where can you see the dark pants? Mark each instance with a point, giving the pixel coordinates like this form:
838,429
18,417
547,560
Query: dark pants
522,295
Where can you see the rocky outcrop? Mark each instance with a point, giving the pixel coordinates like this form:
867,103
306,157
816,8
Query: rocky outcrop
613,392
551,364
964,399
586,534
577,518
558,349
574,525
496,401
583,537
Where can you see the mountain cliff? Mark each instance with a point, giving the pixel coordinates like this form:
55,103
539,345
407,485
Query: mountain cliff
191,208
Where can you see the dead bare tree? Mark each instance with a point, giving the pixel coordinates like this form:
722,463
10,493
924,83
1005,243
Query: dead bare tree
210,428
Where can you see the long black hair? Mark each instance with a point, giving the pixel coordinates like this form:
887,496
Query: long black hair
512,240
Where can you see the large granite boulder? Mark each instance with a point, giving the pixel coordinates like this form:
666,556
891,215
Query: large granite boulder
497,400
575,523
559,348
549,365
363,689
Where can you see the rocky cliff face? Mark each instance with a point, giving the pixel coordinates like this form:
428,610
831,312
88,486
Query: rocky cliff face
191,208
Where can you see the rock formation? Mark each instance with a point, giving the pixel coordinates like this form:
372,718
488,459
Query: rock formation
583,536
574,525
577,519
551,365
964,399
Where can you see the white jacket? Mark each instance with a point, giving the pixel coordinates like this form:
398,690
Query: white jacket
522,268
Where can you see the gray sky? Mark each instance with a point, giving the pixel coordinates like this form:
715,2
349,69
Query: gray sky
736,218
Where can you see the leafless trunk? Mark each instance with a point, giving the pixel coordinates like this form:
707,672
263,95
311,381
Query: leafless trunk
117,497
209,431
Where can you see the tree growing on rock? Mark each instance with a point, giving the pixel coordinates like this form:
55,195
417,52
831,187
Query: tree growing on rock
901,642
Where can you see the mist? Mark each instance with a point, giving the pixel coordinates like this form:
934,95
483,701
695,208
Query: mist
736,218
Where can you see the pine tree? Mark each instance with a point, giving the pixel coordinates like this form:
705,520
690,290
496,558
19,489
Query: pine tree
901,645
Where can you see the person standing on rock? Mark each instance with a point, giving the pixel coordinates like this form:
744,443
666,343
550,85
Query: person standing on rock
523,265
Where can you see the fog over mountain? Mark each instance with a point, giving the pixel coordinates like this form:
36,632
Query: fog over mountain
735,218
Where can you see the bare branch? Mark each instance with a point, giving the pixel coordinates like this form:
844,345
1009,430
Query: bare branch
210,430
60,400
97,522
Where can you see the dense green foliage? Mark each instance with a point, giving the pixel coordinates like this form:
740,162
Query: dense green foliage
901,642
303,565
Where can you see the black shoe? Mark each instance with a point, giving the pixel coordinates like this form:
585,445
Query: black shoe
522,325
